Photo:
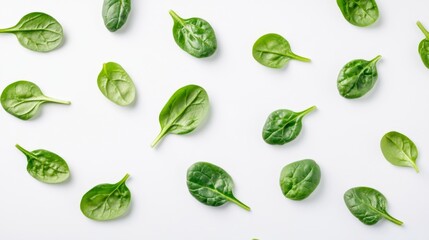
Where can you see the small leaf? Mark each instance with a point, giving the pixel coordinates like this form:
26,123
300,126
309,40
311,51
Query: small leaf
115,13
399,150
360,13
424,45
299,179
106,201
211,185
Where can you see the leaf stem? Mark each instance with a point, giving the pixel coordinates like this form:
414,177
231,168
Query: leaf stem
297,57
23,150
376,59
414,165
423,29
176,17
124,179
392,219
53,100
239,203
308,110
158,138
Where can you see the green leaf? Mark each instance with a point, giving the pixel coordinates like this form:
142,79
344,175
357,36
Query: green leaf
106,201
38,32
299,179
360,13
115,13
115,83
46,166
184,112
211,185
357,77
399,150
368,205
194,35
273,50
424,45
283,126
23,99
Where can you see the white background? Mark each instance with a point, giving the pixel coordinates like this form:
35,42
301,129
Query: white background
102,141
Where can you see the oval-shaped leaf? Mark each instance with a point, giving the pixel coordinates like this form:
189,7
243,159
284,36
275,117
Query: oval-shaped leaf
194,35
357,77
184,111
360,13
211,185
368,205
273,50
46,166
23,99
106,201
115,83
38,32
299,179
399,150
424,45
115,13
283,126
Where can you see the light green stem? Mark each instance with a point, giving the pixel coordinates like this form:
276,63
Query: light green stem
176,17
308,110
423,29
392,219
53,100
376,59
159,137
23,150
414,165
124,179
239,203
297,57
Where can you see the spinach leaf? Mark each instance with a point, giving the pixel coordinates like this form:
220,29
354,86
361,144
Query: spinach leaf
46,166
273,50
368,205
115,83
115,13
299,179
360,13
283,126
186,109
194,35
38,32
399,150
424,45
22,99
106,201
357,77
211,185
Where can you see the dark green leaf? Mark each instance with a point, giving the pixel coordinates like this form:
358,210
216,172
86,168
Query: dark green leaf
22,99
46,166
368,205
184,112
106,201
357,77
299,179
38,32
115,13
283,126
273,50
360,13
115,83
194,35
399,150
424,45
211,185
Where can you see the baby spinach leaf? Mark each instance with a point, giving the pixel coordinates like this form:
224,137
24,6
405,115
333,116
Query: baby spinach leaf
46,166
106,201
211,185
424,45
194,35
22,99
368,205
399,150
115,13
38,32
273,50
299,179
283,126
360,13
115,83
357,77
184,112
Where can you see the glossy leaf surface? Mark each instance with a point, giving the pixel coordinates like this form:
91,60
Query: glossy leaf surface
211,185
360,13
184,111
399,150
424,45
46,166
115,13
368,205
106,201
283,126
23,99
299,179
